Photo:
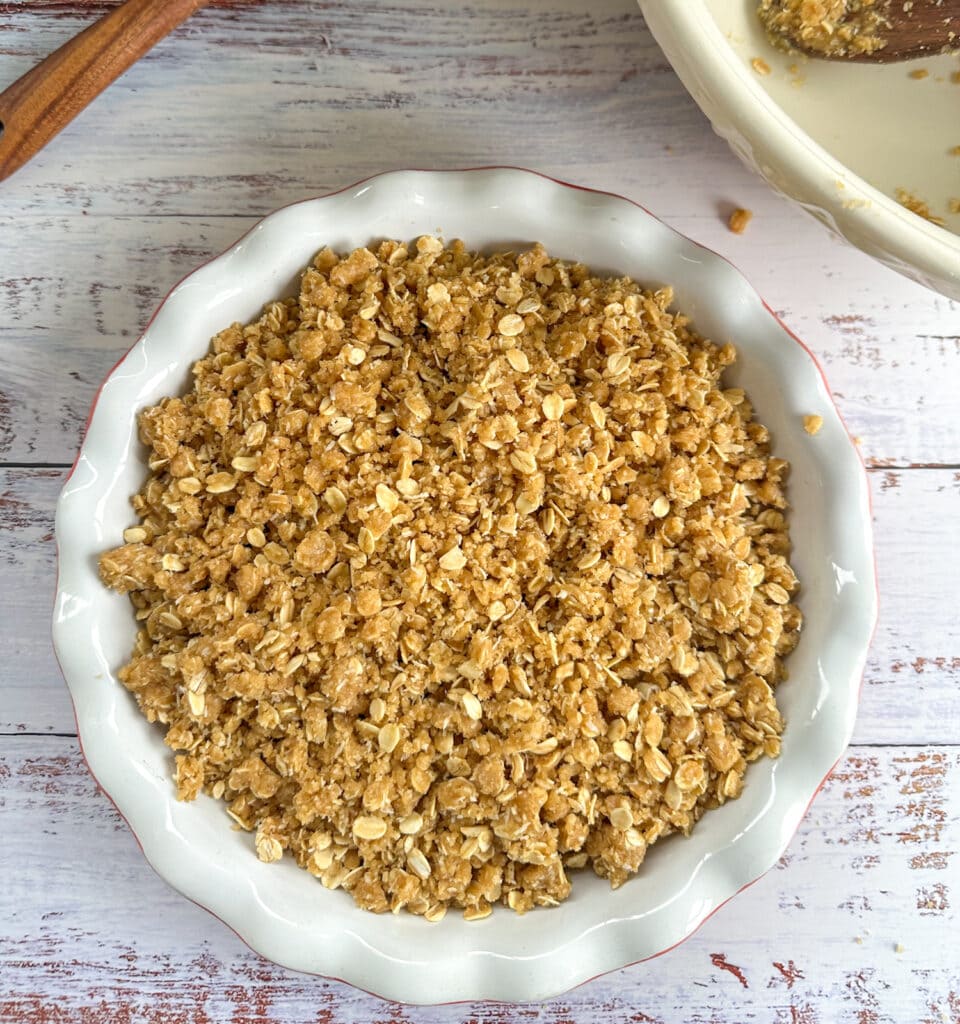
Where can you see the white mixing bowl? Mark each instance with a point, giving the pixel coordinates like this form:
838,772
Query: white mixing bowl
840,139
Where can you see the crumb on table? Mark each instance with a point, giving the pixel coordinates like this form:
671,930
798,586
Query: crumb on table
760,66
919,73
812,423
739,220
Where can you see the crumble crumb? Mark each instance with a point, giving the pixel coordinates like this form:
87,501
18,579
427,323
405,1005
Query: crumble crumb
739,220
834,28
917,205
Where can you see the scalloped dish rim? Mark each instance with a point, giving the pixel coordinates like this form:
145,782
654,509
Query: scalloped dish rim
279,910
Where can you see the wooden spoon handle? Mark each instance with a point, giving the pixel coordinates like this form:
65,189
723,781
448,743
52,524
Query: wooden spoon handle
38,105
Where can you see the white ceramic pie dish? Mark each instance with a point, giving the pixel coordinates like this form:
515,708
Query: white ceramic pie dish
280,910
837,138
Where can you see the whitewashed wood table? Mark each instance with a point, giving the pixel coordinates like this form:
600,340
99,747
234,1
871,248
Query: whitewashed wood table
247,107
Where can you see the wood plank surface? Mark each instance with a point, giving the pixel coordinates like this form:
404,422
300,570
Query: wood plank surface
301,90
792,948
256,103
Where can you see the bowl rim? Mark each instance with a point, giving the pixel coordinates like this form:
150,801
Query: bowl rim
825,185
393,991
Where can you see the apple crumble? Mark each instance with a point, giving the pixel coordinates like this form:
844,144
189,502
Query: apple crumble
457,572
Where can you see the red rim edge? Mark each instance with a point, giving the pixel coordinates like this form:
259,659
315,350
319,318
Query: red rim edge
578,188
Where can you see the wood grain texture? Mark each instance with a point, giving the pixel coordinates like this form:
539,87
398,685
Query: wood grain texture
790,949
305,96
42,102
251,105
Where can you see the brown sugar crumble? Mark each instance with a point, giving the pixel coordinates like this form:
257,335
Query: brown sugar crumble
738,220
456,573
812,424
916,205
760,66
834,28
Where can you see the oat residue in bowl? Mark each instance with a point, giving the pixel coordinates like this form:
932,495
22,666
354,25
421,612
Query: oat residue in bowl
456,573
833,28
915,204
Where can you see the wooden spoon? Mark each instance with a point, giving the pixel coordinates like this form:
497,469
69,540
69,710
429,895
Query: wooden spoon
881,32
38,105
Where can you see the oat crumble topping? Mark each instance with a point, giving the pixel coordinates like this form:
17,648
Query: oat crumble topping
456,573
833,28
